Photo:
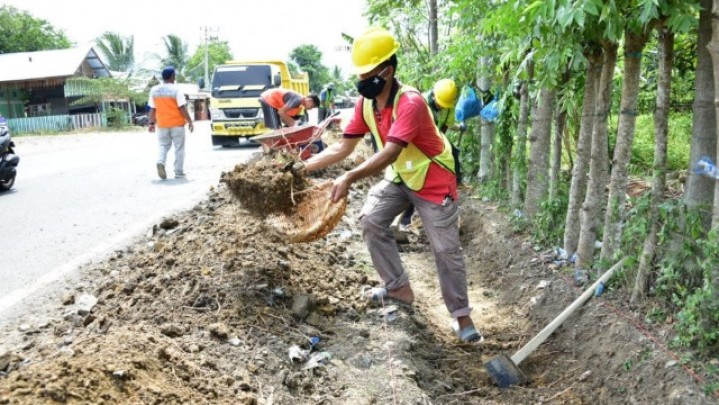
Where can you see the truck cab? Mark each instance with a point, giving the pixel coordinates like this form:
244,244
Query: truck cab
235,110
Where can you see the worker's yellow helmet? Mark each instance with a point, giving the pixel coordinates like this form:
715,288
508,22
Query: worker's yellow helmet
445,93
373,47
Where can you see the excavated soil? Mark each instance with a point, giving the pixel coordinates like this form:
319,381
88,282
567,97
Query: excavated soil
265,186
209,308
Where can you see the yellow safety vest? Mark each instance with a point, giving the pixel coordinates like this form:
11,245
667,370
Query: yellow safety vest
412,164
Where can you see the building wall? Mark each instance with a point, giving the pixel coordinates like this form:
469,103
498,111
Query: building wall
11,102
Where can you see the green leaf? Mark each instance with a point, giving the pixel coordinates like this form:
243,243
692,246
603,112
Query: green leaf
564,17
579,18
591,7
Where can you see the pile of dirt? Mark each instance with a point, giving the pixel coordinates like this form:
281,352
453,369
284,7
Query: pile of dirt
210,308
266,185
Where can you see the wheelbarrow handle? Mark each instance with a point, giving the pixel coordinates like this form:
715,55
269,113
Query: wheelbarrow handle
322,126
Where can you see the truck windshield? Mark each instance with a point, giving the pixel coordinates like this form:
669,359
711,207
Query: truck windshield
240,81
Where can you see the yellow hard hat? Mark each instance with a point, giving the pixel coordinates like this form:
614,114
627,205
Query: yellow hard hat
445,93
373,47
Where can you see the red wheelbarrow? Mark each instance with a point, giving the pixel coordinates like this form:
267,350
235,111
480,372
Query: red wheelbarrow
303,140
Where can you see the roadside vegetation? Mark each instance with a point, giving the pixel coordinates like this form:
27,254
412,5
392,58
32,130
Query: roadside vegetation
605,108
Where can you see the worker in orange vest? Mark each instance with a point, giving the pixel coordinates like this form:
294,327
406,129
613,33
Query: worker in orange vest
283,106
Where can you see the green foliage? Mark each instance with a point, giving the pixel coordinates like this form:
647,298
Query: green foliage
117,118
505,131
683,75
493,189
175,55
698,319
119,51
21,32
684,262
309,59
218,52
469,147
548,223
407,20
678,143
96,91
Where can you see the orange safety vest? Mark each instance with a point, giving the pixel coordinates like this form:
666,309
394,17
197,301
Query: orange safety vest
274,97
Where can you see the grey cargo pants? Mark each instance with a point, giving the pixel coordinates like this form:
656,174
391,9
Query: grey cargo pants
385,201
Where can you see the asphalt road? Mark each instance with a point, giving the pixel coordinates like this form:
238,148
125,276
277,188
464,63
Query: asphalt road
78,197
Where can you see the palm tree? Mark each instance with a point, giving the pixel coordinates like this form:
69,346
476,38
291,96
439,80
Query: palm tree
118,50
177,55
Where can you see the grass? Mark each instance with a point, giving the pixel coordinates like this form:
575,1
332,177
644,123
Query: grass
678,147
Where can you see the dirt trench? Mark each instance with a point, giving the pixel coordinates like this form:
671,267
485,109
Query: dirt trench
207,309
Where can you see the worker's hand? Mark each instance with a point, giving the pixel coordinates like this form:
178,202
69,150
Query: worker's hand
192,127
340,187
151,127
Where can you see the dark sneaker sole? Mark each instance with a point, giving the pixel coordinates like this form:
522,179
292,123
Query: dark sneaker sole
161,171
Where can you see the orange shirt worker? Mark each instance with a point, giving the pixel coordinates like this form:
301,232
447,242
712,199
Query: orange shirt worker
168,114
282,106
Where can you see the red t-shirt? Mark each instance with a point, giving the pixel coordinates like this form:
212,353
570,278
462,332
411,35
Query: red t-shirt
414,124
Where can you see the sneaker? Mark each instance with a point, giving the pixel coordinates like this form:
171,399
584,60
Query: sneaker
179,175
161,171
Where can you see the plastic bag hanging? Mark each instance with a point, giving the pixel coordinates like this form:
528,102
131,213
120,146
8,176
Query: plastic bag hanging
705,167
468,105
491,111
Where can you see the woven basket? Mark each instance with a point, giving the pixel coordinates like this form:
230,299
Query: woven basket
314,216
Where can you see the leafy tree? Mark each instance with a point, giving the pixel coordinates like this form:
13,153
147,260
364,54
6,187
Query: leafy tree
95,91
119,51
21,32
176,55
308,58
218,52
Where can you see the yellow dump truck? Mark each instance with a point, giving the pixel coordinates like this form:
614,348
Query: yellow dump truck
235,109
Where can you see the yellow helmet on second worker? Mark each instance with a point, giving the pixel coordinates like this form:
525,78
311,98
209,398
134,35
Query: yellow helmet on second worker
445,93
373,47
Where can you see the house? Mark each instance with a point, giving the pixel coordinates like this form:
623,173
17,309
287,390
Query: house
197,100
33,84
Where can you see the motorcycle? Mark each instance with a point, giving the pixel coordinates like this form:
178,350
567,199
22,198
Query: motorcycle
8,159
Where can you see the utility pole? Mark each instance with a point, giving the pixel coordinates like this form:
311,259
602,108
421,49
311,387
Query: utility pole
208,31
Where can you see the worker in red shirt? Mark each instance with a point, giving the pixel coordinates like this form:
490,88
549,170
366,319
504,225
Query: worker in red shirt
282,106
419,170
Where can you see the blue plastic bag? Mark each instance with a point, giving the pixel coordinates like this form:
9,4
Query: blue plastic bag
490,112
705,167
468,105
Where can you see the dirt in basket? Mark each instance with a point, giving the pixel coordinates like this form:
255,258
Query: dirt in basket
266,185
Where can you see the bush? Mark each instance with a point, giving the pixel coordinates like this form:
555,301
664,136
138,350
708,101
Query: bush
117,118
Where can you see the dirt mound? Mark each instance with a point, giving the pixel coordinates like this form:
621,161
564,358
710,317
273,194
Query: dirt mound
266,185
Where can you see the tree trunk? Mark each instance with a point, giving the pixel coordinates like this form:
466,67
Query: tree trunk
598,162
487,129
614,215
699,192
520,151
539,150
661,131
433,32
556,166
578,186
713,47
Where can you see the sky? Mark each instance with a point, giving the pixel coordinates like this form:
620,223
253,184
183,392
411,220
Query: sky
254,29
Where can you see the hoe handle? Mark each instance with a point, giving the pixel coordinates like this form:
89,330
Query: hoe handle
549,329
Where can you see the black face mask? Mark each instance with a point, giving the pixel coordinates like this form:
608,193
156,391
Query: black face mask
371,87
